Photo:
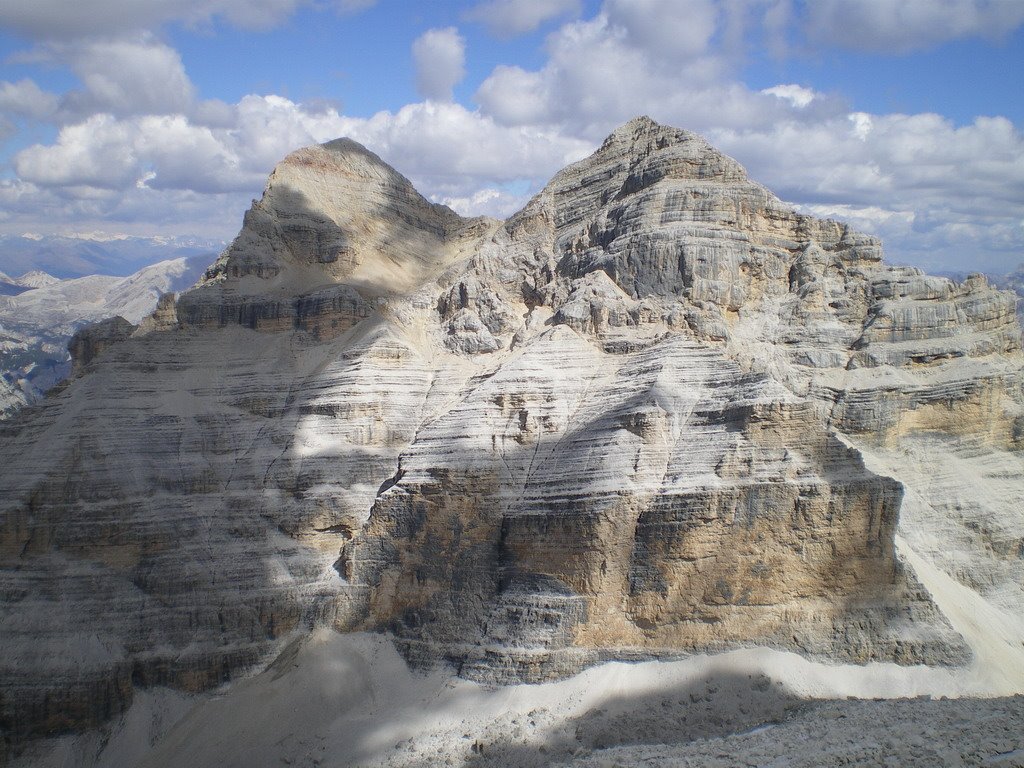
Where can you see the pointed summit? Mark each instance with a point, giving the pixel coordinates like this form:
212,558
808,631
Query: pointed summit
679,153
336,212
337,228
642,127
626,208
36,279
634,157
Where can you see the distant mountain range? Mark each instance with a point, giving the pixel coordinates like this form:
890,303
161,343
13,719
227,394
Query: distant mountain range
39,313
93,254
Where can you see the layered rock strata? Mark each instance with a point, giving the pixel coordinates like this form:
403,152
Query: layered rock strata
89,342
630,421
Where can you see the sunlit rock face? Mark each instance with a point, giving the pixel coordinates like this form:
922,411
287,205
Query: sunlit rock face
335,233
636,419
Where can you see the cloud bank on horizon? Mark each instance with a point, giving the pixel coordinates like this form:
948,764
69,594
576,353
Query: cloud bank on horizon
165,117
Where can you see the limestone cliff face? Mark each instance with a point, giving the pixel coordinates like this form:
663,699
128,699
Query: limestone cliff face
657,411
90,341
655,462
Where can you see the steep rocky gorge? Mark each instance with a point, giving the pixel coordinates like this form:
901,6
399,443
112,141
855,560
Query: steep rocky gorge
655,412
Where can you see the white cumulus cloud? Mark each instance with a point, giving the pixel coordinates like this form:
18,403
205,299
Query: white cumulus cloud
158,168
598,74
27,99
796,95
95,153
138,76
667,28
440,59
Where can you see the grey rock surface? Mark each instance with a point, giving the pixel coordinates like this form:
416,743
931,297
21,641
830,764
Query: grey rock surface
655,412
861,733
92,340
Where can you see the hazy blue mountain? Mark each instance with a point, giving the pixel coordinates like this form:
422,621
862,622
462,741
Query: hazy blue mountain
78,256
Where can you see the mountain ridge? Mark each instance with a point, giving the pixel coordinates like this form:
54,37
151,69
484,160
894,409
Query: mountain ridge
654,413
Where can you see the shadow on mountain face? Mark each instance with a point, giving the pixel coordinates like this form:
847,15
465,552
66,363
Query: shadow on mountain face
711,705
141,477
9,289
134,523
160,505
388,230
317,274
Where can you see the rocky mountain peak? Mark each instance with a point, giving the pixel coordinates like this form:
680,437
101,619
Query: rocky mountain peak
641,136
35,279
644,173
336,226
336,212
339,179
664,152
655,412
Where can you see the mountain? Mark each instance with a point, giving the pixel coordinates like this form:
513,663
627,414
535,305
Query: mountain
654,415
12,286
89,254
36,279
1013,281
38,321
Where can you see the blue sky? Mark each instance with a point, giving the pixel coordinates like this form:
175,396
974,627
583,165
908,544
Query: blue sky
165,116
